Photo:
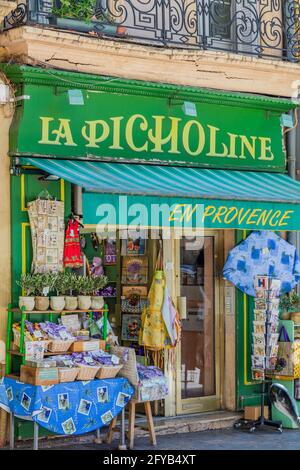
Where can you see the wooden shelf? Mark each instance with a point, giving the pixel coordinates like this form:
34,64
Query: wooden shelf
56,312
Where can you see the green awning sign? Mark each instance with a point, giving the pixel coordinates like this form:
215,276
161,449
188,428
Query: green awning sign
128,121
106,210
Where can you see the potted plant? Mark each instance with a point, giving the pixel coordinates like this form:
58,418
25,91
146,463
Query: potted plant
85,286
57,302
290,307
26,284
70,284
41,284
79,15
98,283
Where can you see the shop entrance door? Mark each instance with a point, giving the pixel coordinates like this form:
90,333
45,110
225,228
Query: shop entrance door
199,354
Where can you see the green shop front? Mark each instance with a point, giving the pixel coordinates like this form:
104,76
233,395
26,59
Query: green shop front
196,170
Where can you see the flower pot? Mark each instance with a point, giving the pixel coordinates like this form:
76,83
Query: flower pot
27,302
97,302
285,315
57,303
42,303
84,302
71,302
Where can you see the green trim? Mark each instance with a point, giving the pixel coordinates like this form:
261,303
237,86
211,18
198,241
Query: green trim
21,74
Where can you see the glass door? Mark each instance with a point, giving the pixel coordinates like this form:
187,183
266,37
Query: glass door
198,369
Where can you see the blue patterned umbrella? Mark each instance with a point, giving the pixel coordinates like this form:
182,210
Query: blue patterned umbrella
262,253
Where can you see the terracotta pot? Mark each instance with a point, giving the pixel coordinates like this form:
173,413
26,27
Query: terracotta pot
97,302
71,302
57,303
27,302
42,303
285,316
84,302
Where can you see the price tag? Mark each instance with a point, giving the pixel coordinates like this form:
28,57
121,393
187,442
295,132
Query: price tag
63,334
37,334
68,363
88,359
115,359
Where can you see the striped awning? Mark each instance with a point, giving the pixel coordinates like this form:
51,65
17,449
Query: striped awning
229,199
169,181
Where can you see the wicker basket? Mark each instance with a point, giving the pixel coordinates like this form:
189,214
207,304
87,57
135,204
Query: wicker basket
87,372
67,374
17,340
59,345
108,372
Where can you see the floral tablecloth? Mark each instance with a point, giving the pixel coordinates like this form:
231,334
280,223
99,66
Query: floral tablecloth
67,408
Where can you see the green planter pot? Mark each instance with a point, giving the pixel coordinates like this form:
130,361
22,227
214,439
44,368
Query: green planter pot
86,26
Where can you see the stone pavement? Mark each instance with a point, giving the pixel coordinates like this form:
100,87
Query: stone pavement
225,439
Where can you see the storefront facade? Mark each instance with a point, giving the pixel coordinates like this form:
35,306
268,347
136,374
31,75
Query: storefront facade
197,168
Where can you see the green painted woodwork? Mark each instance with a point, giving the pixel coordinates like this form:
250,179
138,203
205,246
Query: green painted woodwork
21,74
24,189
247,391
139,121
32,185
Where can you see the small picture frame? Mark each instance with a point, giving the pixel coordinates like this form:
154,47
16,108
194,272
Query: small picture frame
135,270
131,325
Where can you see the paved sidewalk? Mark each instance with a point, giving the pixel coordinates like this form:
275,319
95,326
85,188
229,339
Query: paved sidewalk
226,439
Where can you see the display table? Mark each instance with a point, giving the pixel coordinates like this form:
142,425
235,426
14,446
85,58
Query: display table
67,408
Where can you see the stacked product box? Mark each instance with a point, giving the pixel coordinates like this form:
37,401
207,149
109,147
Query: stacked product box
265,326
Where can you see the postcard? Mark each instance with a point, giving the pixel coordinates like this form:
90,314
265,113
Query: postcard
260,304
107,417
258,362
63,401
259,327
84,407
102,394
260,315
258,339
258,350
69,426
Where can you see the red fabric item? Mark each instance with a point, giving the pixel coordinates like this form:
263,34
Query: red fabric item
72,251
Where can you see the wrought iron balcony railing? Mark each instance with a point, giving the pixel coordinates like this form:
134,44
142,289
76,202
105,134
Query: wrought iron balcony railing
263,28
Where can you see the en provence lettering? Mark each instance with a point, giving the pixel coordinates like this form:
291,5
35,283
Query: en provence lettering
157,134
145,211
228,214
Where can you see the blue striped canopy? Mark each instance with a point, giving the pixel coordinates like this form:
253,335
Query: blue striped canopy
170,181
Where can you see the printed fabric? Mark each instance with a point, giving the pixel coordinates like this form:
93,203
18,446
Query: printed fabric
67,408
72,252
46,218
262,253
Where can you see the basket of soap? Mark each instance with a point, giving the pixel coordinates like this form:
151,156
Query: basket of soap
87,366
32,332
60,339
108,372
109,364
